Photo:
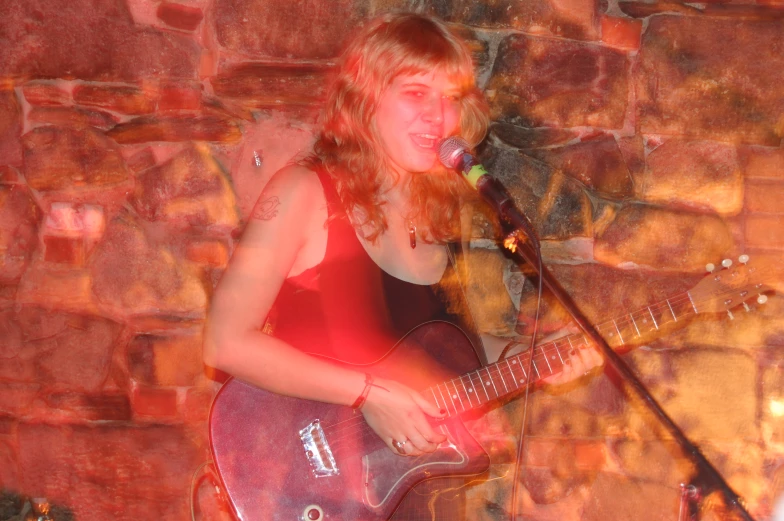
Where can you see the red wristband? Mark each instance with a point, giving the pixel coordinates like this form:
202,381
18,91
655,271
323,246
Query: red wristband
360,401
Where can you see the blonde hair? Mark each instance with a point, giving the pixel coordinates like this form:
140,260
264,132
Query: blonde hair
349,148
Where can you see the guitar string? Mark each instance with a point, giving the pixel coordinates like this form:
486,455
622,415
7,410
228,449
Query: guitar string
541,352
341,430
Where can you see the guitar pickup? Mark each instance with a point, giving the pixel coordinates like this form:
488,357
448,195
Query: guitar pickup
322,461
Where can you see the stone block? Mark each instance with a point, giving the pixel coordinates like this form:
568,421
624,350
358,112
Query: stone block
700,174
556,204
124,99
72,117
695,80
89,42
664,239
142,159
764,231
545,82
299,30
196,407
19,222
191,189
152,402
617,497
212,253
176,128
764,197
772,398
180,16
9,175
65,250
16,398
264,85
110,471
762,162
61,159
180,96
46,93
525,138
62,350
9,474
710,393
10,127
135,274
49,285
173,360
598,164
621,33
576,20
77,407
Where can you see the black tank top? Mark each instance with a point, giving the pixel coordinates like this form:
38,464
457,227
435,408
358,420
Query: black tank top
347,307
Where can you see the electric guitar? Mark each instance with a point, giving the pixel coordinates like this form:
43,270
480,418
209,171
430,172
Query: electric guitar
286,459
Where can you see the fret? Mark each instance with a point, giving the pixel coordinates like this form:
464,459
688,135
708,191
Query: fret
521,365
511,371
674,316
473,386
571,346
435,398
443,398
620,336
692,303
457,395
484,387
467,391
558,350
544,355
502,378
490,376
655,323
533,363
511,368
635,324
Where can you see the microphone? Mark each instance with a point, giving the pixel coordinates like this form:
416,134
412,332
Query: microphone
453,152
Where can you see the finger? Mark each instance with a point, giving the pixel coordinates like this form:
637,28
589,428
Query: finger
427,407
419,445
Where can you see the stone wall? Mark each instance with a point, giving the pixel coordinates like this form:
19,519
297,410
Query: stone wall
643,139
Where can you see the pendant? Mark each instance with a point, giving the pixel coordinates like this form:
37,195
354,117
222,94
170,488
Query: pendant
412,234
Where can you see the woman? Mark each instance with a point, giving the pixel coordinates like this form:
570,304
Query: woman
345,247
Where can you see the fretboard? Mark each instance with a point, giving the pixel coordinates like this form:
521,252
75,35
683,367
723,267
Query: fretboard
514,373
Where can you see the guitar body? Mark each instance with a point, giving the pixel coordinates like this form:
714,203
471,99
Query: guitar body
286,459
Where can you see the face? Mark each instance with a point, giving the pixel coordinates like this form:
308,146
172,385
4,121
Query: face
413,115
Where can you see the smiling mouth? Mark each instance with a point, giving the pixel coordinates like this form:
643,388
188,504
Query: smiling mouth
426,141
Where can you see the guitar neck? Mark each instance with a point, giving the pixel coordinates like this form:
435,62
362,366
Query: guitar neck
514,373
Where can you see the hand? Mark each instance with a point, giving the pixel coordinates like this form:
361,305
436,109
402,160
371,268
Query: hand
580,364
398,413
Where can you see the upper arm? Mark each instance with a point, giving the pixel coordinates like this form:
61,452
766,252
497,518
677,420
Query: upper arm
285,217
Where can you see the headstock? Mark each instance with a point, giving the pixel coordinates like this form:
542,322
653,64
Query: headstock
733,285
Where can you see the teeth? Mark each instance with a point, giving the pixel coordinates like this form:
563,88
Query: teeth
425,140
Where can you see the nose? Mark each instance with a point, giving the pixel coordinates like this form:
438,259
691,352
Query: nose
434,110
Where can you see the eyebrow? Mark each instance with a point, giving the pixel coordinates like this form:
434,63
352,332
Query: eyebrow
455,90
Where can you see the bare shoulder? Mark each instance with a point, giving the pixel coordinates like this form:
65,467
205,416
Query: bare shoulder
294,186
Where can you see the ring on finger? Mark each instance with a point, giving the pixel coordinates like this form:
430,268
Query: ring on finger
399,445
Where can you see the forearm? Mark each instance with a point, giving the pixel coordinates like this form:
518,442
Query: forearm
271,364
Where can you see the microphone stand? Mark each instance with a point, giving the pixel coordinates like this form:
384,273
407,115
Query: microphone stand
706,478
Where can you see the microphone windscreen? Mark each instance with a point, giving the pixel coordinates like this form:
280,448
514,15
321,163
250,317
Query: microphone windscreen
451,149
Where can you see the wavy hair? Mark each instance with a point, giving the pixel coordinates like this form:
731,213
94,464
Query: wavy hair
348,146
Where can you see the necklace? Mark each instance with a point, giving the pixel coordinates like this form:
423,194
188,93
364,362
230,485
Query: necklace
412,234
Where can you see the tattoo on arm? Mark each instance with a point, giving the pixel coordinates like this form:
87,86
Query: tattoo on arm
266,209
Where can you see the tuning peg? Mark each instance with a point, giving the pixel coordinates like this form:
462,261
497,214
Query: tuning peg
710,267
762,299
726,263
743,259
729,314
746,307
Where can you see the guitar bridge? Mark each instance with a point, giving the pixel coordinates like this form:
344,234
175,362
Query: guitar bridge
322,461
